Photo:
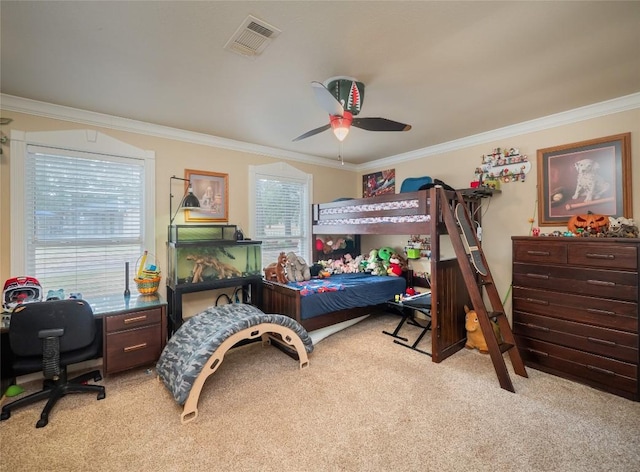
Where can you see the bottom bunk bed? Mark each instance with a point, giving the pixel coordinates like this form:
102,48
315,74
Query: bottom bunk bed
319,303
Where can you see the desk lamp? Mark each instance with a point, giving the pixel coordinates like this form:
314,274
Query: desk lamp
188,201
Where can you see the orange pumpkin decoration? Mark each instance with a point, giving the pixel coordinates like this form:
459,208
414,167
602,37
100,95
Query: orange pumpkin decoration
589,222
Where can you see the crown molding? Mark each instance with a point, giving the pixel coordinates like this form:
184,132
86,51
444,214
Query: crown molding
75,115
608,107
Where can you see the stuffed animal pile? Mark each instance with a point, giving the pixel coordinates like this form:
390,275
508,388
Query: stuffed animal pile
621,228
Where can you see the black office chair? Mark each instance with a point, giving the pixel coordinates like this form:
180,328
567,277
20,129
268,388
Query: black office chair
49,336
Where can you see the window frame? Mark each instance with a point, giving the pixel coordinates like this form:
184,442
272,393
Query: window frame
81,141
280,171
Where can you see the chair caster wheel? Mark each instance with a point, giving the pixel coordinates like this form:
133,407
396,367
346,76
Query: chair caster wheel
42,422
97,378
101,395
5,415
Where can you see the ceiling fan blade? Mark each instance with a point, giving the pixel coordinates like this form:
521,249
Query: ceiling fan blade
326,100
313,132
379,124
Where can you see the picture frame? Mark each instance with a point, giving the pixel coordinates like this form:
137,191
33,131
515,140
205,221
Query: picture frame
212,190
379,183
587,176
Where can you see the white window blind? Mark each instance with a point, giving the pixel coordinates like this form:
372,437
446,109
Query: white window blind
281,214
84,218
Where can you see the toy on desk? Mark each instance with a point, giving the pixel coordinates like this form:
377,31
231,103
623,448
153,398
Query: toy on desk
475,338
148,275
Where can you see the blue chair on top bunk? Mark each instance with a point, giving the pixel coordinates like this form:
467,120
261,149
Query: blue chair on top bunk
413,184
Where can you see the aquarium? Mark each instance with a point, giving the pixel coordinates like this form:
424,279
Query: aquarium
202,233
210,261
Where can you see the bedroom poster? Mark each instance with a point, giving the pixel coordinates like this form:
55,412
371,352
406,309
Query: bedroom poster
379,183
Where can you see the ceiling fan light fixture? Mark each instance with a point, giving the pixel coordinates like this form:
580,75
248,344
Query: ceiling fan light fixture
341,125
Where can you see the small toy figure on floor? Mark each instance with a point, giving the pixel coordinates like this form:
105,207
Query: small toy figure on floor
475,338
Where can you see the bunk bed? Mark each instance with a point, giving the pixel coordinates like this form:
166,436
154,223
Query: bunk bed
408,213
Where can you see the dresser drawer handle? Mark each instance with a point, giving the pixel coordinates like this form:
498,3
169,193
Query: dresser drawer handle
539,253
601,341
537,301
538,276
540,353
601,312
540,328
135,319
136,347
601,283
600,256
601,371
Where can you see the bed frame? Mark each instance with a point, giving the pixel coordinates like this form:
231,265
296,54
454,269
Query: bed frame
404,213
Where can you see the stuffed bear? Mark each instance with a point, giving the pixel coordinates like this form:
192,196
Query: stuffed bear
297,268
475,337
397,265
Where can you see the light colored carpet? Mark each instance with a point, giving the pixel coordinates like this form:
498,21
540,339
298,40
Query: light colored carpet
364,404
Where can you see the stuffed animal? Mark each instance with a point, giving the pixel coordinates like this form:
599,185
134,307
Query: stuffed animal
622,227
395,266
475,338
276,270
297,268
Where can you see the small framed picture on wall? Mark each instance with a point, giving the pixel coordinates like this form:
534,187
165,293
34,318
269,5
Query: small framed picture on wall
212,190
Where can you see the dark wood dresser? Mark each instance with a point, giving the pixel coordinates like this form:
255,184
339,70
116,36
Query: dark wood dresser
575,309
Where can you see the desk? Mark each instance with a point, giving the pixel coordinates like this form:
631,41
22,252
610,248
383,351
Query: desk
406,310
134,332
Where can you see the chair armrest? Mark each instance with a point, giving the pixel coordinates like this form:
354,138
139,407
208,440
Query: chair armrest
51,333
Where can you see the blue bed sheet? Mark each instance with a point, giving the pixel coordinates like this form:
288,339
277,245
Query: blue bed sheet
354,290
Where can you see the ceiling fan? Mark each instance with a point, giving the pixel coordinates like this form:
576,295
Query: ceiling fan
342,98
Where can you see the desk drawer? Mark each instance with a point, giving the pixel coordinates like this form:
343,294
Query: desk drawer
132,348
133,320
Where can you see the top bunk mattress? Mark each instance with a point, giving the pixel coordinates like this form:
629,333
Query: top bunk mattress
344,291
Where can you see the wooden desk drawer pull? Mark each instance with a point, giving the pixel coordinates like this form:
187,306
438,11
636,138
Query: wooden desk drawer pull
136,347
539,253
600,312
540,328
135,319
601,341
601,283
538,276
599,256
600,371
537,301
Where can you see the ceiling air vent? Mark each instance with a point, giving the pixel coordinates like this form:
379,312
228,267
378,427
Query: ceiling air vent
252,37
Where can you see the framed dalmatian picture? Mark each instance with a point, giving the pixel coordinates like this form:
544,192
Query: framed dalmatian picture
589,176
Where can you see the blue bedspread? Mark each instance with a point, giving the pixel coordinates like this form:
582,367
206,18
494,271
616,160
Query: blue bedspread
351,291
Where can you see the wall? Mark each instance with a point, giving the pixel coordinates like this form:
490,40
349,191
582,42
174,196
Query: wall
504,215
507,214
172,157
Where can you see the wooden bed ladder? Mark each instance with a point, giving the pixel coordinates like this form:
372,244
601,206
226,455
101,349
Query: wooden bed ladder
476,274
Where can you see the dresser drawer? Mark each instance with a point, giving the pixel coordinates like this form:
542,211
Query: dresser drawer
540,251
610,256
605,342
615,314
622,285
133,320
133,347
609,374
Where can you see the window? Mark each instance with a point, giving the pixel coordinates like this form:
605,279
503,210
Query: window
281,205
83,215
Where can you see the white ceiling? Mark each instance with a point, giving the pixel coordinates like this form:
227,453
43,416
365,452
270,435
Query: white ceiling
450,69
